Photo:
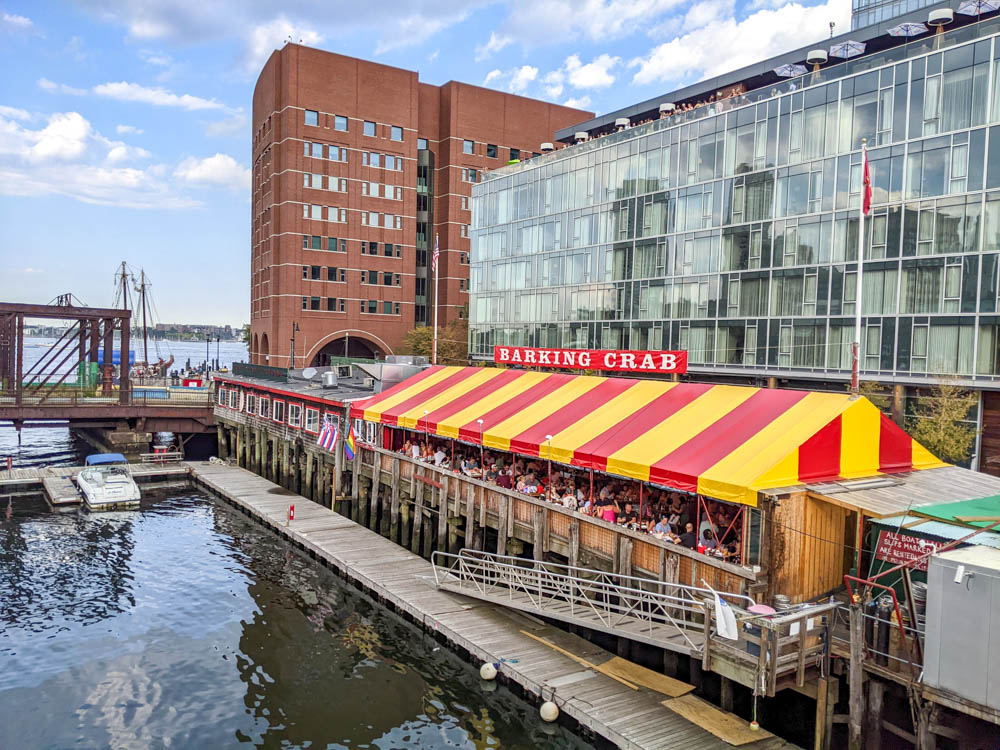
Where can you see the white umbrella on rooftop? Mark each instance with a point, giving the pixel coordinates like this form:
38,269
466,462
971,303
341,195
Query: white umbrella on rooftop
848,48
790,70
908,28
978,7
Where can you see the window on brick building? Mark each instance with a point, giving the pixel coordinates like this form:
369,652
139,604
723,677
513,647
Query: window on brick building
422,143
491,150
316,272
305,272
314,303
465,202
387,308
340,123
515,154
386,279
467,147
369,128
421,202
331,304
312,117
396,133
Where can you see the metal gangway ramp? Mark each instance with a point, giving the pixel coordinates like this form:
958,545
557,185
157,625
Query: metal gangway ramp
767,654
668,615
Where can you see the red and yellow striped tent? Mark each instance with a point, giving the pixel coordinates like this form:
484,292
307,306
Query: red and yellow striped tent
727,442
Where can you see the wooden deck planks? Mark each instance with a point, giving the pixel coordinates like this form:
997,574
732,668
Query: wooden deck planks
627,717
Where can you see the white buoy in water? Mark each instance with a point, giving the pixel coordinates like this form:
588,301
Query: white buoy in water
488,671
549,711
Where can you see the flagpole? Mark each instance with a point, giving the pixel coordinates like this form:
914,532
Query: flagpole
436,262
856,347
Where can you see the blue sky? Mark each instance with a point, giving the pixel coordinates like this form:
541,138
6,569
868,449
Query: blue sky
124,124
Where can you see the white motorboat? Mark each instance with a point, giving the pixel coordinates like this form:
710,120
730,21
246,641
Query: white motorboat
107,483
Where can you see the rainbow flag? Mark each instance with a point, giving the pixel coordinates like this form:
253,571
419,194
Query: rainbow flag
350,447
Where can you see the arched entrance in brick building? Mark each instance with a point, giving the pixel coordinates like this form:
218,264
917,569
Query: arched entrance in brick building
264,351
355,344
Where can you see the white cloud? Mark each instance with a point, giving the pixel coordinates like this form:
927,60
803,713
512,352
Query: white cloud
594,75
264,38
581,102
495,43
229,126
128,130
760,35
157,59
158,97
14,113
14,22
220,170
515,80
68,157
433,55
552,83
59,88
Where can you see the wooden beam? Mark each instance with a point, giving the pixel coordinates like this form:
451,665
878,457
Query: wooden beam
856,679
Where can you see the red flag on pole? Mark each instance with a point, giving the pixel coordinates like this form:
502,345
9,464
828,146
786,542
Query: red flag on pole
866,189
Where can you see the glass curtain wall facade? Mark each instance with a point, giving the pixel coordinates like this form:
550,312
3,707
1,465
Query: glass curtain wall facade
870,12
734,236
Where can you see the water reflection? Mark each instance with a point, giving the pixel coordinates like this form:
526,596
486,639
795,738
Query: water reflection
185,625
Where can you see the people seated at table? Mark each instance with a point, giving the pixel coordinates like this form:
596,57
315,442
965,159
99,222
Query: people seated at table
713,527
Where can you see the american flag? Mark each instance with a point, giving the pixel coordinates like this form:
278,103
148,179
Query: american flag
435,256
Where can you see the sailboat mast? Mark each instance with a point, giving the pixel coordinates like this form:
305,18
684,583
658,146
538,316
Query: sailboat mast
145,338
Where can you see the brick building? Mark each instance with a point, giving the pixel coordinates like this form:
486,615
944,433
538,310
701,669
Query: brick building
356,167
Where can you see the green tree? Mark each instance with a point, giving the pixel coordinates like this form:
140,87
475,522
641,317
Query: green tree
879,394
246,335
939,426
453,342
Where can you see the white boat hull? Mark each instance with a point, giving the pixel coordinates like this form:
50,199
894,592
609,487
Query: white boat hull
108,488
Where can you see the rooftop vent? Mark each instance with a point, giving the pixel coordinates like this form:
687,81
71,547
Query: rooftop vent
546,147
621,122
667,107
581,135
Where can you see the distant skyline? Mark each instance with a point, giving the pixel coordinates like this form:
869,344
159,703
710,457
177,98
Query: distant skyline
124,126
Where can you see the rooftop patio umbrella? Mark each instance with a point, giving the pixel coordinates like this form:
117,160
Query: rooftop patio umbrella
791,70
978,7
908,29
848,48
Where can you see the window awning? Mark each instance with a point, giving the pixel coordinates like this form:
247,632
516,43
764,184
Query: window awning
727,442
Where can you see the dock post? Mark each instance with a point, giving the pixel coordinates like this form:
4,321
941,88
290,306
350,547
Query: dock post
876,695
405,530
574,542
308,456
418,520
394,503
856,680
669,663
442,505
470,516
373,498
726,694
826,699
220,438
502,524
538,533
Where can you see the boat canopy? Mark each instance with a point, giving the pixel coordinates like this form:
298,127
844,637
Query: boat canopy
102,459
727,442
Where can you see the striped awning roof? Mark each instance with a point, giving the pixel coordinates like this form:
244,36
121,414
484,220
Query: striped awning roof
723,441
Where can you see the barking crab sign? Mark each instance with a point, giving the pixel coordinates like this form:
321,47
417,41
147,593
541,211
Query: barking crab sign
635,362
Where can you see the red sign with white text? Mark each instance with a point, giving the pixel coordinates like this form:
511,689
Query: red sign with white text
593,359
901,548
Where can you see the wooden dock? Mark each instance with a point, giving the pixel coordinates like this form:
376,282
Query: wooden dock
61,491
641,709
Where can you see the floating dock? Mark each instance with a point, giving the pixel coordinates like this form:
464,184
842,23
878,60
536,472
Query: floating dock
60,490
619,701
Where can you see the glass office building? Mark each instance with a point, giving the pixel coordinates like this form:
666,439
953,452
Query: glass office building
731,231
870,12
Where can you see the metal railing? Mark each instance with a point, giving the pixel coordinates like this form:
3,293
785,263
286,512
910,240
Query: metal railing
767,648
611,600
69,397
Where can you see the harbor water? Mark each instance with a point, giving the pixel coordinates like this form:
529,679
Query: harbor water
186,625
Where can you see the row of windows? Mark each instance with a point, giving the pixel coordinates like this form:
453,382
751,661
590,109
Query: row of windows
492,150
324,182
339,304
369,128
335,245
368,218
274,409
889,345
938,285
375,190
332,273
312,118
314,150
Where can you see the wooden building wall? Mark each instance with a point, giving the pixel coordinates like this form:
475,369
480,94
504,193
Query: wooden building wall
808,555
